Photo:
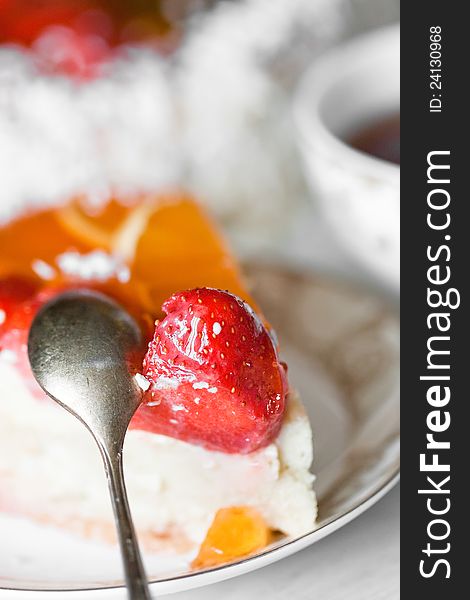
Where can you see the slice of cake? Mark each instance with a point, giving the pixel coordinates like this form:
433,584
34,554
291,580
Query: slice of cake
220,444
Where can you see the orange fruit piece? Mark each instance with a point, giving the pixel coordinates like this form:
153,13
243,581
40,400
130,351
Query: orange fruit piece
32,237
235,532
169,243
95,228
182,249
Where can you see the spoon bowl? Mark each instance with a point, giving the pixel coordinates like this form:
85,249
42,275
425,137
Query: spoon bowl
82,348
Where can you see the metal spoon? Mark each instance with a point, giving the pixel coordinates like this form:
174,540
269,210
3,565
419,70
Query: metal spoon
82,348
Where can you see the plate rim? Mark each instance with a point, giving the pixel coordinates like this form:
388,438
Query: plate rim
201,578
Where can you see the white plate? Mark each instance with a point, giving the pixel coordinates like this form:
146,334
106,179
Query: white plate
342,348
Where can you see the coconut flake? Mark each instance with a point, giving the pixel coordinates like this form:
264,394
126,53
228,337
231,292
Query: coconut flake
97,265
165,383
154,403
142,382
43,269
200,385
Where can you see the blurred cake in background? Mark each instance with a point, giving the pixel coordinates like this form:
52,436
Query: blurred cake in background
103,97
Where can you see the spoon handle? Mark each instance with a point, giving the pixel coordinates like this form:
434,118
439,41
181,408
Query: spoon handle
136,579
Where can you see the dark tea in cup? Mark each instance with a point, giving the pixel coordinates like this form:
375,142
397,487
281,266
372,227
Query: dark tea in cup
379,138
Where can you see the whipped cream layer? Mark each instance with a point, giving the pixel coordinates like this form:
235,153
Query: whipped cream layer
50,470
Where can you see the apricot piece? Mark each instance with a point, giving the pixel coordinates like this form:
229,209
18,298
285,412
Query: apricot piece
235,532
180,249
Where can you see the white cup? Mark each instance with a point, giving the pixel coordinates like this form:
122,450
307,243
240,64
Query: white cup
358,193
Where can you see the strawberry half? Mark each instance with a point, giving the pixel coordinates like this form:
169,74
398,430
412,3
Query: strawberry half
19,302
214,374
13,291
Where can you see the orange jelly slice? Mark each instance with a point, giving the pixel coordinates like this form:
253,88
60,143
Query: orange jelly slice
95,228
168,243
235,532
181,249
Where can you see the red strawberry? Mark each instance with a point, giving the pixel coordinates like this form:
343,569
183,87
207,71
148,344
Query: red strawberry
17,309
13,291
19,302
214,373
65,51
